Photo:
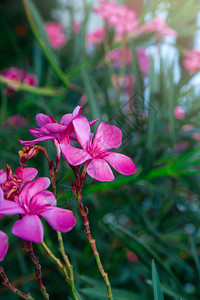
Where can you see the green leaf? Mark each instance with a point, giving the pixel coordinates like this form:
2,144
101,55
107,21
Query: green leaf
158,295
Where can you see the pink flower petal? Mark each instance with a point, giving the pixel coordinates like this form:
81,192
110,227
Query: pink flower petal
107,136
59,219
33,188
3,245
100,170
93,121
11,208
77,111
121,163
42,119
73,155
43,198
1,197
82,131
29,228
3,177
33,142
66,119
29,174
53,129
35,132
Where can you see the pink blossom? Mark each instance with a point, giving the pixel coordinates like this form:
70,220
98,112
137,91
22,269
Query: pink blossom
15,121
34,202
159,26
196,136
122,18
18,76
95,153
125,82
3,245
3,236
51,130
131,256
179,112
181,146
13,184
76,26
188,127
56,35
192,60
123,56
95,37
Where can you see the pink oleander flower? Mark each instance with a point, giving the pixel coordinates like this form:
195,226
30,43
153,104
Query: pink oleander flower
13,184
3,236
179,112
15,121
56,35
159,26
3,245
19,76
95,154
122,18
131,256
196,136
34,202
51,130
96,37
123,56
76,26
192,60
124,82
180,146
188,127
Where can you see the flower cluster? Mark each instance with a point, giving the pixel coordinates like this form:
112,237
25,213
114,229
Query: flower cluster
56,35
159,26
19,76
22,194
94,152
192,60
122,18
96,37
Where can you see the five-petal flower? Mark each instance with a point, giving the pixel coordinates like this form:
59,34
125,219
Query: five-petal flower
95,153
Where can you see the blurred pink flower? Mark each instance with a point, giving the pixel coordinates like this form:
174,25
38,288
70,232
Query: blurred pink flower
56,35
122,18
196,136
124,82
180,146
131,256
76,26
159,26
32,203
95,153
15,121
188,127
192,60
179,112
19,76
95,37
123,56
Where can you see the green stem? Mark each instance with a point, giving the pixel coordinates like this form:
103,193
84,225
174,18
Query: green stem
31,89
35,260
68,264
84,213
6,282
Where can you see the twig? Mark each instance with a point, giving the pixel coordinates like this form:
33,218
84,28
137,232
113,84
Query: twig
6,283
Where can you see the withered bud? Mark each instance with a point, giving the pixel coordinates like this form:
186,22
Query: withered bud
28,152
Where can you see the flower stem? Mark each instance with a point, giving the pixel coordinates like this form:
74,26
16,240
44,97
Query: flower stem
6,282
68,264
84,213
35,260
56,260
